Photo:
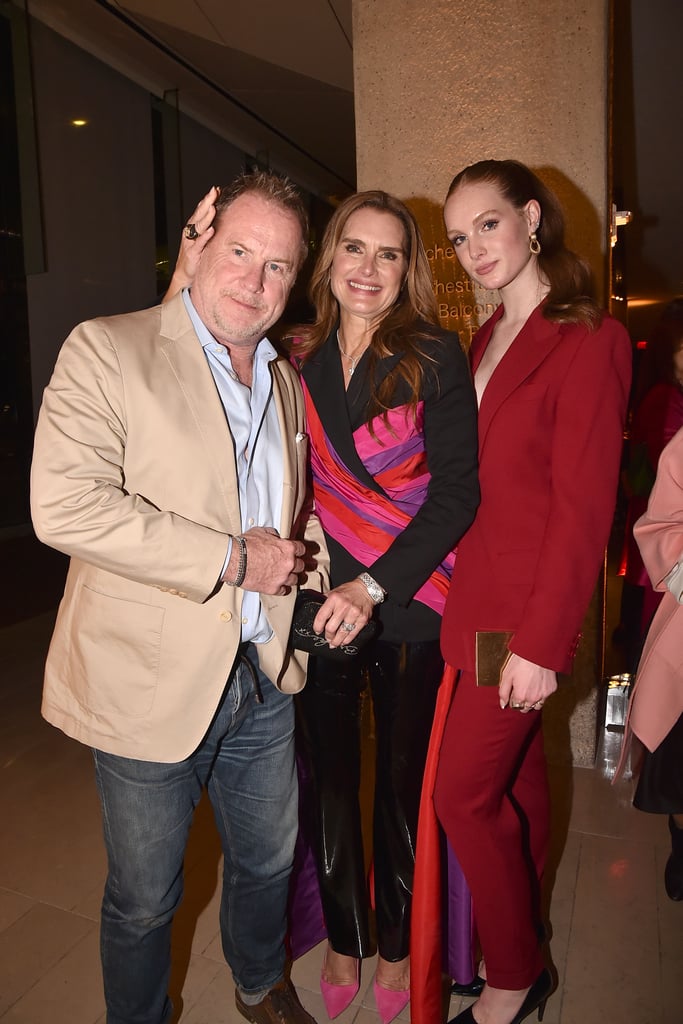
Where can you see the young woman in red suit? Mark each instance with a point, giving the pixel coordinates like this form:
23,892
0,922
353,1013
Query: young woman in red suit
552,375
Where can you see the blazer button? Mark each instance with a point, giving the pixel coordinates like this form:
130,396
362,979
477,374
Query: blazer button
225,616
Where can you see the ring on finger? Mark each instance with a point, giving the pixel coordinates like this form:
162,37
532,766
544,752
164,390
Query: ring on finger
348,627
190,231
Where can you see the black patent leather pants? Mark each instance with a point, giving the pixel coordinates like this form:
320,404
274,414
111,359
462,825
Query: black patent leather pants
404,679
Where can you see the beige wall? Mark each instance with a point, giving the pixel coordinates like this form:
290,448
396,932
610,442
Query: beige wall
442,83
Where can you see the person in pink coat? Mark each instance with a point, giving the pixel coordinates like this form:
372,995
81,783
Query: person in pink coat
656,710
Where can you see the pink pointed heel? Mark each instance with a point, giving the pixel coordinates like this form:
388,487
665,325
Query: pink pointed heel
337,997
390,1001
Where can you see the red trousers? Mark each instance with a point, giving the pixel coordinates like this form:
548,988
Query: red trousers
491,797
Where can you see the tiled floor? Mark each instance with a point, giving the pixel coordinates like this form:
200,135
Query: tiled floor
617,941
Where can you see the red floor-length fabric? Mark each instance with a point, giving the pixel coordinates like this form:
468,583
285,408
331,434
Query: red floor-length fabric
427,947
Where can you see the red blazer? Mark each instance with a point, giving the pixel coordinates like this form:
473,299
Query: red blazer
550,438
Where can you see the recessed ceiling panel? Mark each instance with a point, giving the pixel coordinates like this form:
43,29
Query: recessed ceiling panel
309,38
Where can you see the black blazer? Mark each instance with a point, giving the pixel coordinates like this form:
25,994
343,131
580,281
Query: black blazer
450,429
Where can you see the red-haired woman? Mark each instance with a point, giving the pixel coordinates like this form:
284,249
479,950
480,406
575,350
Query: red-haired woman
552,376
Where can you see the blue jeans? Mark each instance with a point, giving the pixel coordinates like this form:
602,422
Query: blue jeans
246,760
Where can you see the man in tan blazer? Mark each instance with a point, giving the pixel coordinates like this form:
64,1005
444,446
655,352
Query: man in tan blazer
170,464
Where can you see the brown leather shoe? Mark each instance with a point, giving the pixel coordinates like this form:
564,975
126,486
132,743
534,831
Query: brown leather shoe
280,1006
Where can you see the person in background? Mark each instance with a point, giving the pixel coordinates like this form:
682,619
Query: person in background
170,464
552,375
655,715
658,415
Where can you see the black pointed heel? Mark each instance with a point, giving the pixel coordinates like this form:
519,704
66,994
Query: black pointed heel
466,1017
535,999
473,988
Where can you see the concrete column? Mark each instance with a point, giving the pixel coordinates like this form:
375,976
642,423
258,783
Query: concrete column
440,84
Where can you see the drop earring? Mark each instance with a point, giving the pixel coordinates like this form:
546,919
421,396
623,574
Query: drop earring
534,244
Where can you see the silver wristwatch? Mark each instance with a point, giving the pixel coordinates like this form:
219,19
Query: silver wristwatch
376,593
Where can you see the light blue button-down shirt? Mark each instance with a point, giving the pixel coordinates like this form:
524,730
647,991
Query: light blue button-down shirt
253,422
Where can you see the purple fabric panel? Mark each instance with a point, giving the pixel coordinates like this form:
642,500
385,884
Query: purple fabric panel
305,913
387,458
458,946
306,924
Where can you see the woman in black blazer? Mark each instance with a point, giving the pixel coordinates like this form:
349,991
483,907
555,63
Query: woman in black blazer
391,418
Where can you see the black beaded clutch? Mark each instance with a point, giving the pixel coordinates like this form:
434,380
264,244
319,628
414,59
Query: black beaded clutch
304,637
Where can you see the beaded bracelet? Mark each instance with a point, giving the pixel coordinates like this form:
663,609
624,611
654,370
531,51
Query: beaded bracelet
242,564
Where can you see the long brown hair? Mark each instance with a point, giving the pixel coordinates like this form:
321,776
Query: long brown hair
571,296
402,325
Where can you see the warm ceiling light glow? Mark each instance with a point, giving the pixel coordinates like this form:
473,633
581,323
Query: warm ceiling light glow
79,122
636,303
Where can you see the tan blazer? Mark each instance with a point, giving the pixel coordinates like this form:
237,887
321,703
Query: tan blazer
134,477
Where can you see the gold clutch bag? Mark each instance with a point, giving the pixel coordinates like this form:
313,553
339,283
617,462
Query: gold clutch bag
491,655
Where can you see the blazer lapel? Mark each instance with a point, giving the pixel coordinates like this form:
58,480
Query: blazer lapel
184,352
284,402
536,340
